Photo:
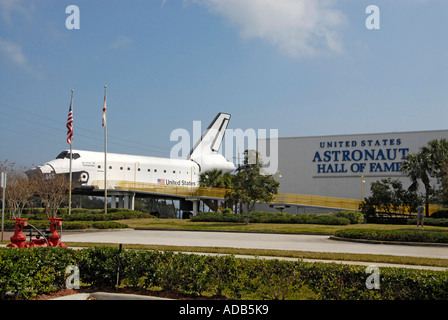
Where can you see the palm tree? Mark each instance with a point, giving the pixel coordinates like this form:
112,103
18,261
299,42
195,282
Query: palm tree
430,162
437,151
211,178
418,167
215,179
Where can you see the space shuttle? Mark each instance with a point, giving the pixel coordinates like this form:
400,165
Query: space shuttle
88,166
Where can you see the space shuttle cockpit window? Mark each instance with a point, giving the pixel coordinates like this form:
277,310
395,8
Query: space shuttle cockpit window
66,155
62,155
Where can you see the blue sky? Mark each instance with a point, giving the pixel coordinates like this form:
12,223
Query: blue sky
304,67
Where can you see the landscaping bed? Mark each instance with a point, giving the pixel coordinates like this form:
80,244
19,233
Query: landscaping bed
27,273
422,236
83,219
340,218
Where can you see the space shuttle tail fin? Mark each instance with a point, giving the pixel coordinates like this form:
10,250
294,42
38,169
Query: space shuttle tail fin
205,151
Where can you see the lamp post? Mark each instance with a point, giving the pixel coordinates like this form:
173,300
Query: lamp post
362,187
279,175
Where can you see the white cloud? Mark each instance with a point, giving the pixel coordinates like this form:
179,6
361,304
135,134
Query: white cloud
299,28
13,52
120,42
8,8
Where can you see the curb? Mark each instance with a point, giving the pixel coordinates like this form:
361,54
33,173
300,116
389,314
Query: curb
421,244
234,231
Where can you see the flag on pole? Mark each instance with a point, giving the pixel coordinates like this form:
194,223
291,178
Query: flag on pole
104,110
70,122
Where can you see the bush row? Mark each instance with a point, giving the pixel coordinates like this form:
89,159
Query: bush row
89,214
70,225
354,217
440,214
266,217
439,222
395,235
25,273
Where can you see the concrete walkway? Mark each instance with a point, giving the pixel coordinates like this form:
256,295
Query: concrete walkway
108,296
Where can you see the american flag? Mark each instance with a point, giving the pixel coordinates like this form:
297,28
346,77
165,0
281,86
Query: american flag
104,107
70,122
161,181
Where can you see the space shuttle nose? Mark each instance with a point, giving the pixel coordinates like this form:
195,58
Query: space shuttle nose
40,170
45,169
33,172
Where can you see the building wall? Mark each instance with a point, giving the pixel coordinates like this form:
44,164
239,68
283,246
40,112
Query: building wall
333,166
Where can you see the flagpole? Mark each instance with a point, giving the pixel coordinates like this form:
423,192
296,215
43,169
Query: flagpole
105,150
71,158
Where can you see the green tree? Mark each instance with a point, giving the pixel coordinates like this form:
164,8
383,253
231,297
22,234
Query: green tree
389,195
437,151
215,179
250,184
417,167
430,167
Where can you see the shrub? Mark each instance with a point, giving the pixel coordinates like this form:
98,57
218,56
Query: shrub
441,214
24,273
395,235
267,217
28,272
439,222
217,217
226,211
115,214
71,225
78,214
355,217
325,219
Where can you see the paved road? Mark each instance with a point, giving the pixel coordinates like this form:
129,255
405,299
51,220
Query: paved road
253,240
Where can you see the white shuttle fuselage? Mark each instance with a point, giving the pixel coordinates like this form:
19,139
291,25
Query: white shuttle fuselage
88,166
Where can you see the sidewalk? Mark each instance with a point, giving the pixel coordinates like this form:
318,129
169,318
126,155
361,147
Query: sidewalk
361,263
108,296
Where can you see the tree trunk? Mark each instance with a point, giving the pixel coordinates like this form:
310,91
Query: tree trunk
428,190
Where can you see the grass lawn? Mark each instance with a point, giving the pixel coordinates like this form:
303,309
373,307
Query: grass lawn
263,227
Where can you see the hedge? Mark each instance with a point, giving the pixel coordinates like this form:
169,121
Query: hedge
395,235
70,225
25,273
440,214
438,222
89,214
355,217
82,218
266,217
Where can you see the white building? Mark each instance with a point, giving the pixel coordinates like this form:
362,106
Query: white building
336,166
